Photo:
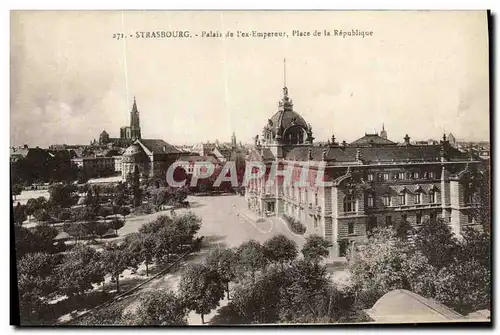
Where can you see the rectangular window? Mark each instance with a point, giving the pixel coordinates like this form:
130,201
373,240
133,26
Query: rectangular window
419,218
402,199
416,175
369,200
386,176
387,200
432,217
432,175
404,217
315,199
402,176
370,177
350,228
418,198
388,221
432,197
470,218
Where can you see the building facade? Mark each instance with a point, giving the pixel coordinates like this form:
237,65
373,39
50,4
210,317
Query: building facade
95,166
369,183
149,156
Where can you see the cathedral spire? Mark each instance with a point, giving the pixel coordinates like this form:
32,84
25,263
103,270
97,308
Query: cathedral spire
233,140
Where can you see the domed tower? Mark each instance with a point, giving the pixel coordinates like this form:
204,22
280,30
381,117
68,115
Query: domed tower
286,128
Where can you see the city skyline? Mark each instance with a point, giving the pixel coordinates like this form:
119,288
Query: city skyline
60,94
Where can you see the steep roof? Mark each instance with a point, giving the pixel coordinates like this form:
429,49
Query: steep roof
157,146
408,307
372,139
375,154
196,158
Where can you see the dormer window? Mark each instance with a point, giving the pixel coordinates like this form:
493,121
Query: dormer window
418,197
402,198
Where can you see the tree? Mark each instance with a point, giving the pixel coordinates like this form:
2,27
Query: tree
89,198
80,268
76,230
308,297
315,248
124,212
100,228
111,315
280,249
116,224
64,215
251,258
62,194
115,259
201,289
36,283
142,246
19,214
16,190
39,239
136,189
30,207
387,263
436,242
464,286
223,261
475,244
260,301
160,308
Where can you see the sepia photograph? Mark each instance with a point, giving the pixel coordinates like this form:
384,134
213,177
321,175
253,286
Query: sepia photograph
236,168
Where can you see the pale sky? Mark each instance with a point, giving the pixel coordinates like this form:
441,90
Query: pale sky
420,73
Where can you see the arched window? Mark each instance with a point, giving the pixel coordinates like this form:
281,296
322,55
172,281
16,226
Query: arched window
349,204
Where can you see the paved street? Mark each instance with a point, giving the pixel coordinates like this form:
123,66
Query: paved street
226,223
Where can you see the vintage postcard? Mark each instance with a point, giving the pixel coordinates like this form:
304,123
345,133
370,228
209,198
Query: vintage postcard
250,167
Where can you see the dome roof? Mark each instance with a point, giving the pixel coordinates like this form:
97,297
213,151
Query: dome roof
134,153
286,119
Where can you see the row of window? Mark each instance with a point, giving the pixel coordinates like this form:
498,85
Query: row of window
372,223
385,176
350,201
302,196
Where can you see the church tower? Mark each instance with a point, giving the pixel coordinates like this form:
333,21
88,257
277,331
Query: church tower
383,133
135,127
233,140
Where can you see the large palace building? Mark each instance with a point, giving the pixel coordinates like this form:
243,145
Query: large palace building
372,181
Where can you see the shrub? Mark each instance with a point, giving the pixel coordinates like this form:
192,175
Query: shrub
294,225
